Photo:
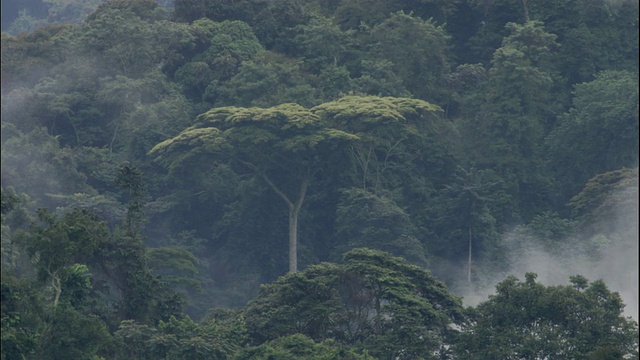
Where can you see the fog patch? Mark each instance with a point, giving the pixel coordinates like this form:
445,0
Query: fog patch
608,255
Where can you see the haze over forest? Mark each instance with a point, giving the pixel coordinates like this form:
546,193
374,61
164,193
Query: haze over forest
322,179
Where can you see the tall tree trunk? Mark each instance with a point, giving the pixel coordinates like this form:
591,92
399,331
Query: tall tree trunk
57,286
293,239
469,261
294,211
525,9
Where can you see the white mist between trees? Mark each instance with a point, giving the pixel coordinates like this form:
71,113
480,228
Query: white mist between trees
616,262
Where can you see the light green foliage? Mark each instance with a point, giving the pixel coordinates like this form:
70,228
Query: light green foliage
373,301
69,250
254,136
298,346
397,136
176,266
76,282
33,330
177,339
55,321
365,113
193,141
600,188
533,321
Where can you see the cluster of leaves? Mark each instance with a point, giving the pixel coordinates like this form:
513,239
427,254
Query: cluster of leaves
532,321
188,153
370,306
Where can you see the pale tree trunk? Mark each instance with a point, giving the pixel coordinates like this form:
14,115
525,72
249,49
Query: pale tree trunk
293,240
469,262
56,284
525,9
294,211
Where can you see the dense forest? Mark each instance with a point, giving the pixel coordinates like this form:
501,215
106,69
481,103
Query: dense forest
319,179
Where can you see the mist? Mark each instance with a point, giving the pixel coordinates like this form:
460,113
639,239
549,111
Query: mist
599,253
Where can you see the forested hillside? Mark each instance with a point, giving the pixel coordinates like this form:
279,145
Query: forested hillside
320,179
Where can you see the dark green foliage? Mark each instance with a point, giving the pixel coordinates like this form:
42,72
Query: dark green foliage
269,19
514,115
321,43
142,296
530,320
130,180
15,216
284,145
62,242
471,202
267,80
398,139
73,335
256,107
230,43
374,301
599,134
8,201
418,51
21,317
120,32
376,222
